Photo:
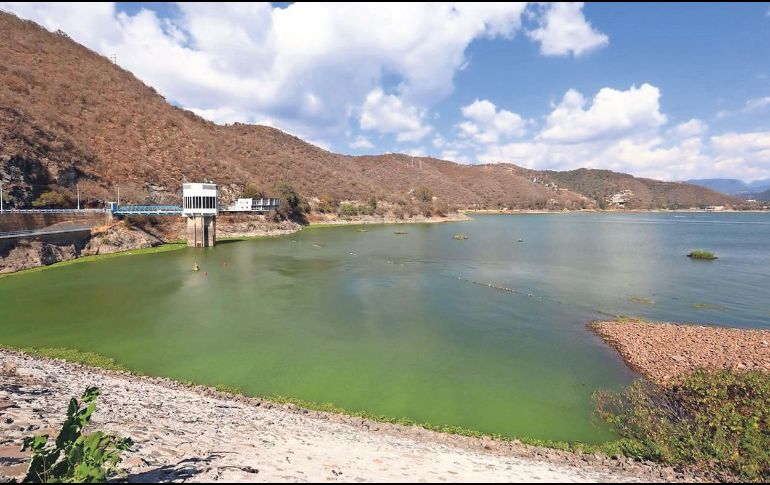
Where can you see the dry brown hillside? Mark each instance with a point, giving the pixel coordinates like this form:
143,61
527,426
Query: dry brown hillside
68,115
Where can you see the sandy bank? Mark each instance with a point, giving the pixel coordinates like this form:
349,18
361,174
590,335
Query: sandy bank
664,351
197,434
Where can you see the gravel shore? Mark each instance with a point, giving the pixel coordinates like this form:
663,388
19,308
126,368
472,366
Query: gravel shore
664,352
197,434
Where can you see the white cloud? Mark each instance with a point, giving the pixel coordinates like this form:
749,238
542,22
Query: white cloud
361,142
388,113
485,123
564,30
612,113
624,131
689,129
751,106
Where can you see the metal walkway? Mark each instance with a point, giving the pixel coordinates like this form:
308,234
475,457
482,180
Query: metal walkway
148,210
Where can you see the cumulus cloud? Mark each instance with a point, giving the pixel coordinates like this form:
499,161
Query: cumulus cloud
388,113
612,113
564,30
689,129
361,142
625,131
485,123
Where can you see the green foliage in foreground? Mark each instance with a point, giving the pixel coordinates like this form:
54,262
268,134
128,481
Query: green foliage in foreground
717,422
75,457
700,254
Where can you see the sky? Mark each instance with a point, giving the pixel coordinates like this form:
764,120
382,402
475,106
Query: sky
668,91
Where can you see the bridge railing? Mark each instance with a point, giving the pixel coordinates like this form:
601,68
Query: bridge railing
148,210
52,211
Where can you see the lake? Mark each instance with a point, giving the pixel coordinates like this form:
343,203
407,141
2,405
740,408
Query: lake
487,333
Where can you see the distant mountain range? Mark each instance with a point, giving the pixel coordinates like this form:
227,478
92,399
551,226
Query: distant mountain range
758,189
69,116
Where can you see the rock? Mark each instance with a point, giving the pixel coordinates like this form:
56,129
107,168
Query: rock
678,358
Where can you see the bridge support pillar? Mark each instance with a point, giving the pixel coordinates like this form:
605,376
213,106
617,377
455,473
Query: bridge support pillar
201,231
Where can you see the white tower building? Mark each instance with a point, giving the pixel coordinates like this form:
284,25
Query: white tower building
200,206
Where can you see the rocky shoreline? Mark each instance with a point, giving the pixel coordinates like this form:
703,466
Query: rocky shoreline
146,233
664,352
191,433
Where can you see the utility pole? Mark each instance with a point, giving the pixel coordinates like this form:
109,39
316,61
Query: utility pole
1,196
118,195
78,187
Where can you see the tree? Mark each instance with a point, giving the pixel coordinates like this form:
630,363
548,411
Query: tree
423,194
253,191
49,199
292,207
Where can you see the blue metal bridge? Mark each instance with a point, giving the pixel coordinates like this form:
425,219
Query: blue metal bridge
147,210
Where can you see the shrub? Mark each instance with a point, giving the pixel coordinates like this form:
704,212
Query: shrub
327,205
424,194
700,254
253,191
50,199
441,208
717,422
292,206
75,457
349,210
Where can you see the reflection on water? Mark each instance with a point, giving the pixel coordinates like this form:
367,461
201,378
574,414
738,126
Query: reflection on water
487,333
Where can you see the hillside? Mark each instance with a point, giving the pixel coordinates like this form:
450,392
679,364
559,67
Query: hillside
726,186
69,115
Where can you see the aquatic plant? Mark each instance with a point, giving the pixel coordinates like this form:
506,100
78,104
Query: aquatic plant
717,422
641,301
700,254
75,457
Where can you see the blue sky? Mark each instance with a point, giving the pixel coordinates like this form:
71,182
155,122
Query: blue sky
672,91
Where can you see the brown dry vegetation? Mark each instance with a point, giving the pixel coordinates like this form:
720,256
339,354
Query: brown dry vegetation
69,115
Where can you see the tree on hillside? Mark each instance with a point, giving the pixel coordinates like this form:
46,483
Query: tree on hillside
424,194
292,206
49,200
253,191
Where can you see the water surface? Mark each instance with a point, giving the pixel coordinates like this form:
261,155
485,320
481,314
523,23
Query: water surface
408,325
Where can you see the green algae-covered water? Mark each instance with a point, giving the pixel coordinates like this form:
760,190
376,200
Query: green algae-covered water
408,325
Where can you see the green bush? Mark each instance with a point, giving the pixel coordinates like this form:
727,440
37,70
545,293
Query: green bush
50,199
292,206
253,191
700,254
349,210
327,205
75,457
717,422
